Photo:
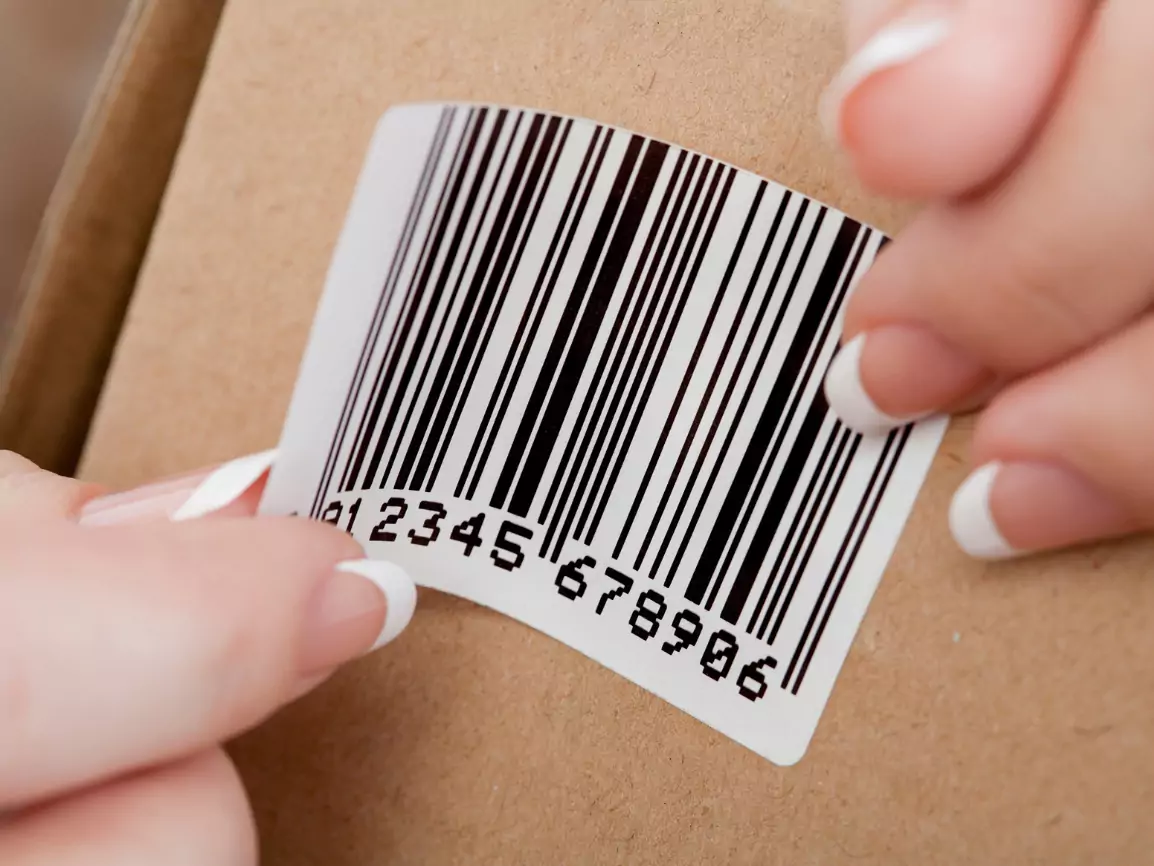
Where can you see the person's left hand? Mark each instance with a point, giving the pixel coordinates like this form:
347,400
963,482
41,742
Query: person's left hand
132,646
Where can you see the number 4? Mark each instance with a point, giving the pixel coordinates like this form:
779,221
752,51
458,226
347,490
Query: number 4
469,533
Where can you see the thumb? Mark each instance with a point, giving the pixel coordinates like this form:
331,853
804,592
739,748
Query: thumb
939,96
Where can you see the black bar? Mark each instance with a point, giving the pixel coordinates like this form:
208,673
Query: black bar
650,297
770,417
830,297
798,571
433,312
675,409
548,294
614,350
478,301
811,503
530,226
568,321
399,338
747,346
603,486
849,564
783,491
577,355
734,327
601,451
404,242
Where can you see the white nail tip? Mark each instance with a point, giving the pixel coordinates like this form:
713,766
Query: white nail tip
399,590
847,395
893,46
226,485
971,520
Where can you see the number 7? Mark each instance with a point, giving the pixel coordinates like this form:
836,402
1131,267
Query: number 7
625,584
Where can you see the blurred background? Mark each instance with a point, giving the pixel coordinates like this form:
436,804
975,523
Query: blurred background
51,54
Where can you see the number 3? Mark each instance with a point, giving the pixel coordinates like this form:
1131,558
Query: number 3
439,514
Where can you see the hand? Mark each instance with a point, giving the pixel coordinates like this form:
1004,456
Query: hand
1028,280
131,646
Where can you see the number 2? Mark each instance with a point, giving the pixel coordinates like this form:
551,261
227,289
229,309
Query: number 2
379,532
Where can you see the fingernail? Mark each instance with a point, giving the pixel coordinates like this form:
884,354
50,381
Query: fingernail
920,30
225,485
182,498
848,397
972,520
910,371
1004,510
363,606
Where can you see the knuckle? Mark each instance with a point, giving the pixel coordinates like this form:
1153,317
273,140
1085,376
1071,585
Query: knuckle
1030,290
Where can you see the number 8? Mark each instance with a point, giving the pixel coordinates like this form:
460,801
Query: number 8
651,616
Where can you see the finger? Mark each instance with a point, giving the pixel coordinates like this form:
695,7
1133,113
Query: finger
127,646
1053,260
1064,455
231,490
27,492
939,96
192,813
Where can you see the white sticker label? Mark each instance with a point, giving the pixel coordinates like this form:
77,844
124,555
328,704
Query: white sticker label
575,374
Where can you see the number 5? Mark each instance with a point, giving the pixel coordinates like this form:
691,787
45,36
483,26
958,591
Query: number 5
506,544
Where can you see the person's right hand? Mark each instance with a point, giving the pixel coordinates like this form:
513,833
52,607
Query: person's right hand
1028,280
132,646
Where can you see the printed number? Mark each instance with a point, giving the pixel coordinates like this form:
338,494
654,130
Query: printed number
506,544
469,533
354,510
687,629
650,615
570,581
719,655
752,673
432,524
379,532
333,514
624,585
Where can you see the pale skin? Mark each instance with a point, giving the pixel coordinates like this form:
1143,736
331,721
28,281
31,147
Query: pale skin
1026,283
129,652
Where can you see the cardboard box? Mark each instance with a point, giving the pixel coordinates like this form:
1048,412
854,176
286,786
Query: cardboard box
81,273
986,714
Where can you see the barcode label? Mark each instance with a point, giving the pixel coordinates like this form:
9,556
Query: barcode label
575,374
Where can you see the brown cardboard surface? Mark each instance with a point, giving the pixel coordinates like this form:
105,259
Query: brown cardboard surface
82,270
986,714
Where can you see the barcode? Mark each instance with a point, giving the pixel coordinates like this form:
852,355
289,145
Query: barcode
605,353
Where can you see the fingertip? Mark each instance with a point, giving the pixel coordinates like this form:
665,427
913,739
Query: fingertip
950,102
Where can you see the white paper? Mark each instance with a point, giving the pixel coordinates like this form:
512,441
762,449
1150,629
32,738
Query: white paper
517,305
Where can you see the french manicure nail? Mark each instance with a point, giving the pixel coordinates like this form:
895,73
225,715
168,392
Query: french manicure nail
972,520
1010,509
182,498
848,397
364,605
398,588
922,29
225,485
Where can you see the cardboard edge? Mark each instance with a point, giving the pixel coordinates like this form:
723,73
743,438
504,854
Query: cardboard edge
82,269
